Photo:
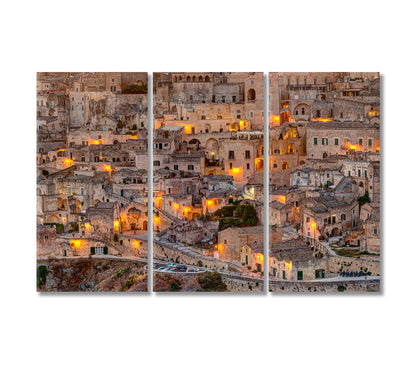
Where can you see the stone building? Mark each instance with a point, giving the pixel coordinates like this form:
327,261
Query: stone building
327,216
296,260
231,240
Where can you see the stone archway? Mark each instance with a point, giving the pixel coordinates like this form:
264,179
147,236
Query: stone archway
251,94
212,148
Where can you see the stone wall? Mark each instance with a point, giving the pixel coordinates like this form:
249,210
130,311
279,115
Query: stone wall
337,264
169,254
368,285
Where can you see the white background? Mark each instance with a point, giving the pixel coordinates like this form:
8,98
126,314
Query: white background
206,333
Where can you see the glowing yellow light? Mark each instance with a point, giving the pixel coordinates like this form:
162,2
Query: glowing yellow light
156,220
107,168
175,206
186,209
136,243
276,118
260,258
94,141
313,225
378,149
210,202
319,119
61,150
220,247
282,199
288,265
353,147
116,225
68,161
236,171
259,163
76,243
188,129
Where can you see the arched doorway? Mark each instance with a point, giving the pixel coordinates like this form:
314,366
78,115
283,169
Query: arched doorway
251,94
145,225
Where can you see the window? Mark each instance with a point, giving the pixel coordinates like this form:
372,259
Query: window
231,165
223,99
231,155
359,172
156,163
360,141
324,141
315,141
343,217
234,99
284,274
370,142
307,219
300,275
336,141
375,231
349,173
365,173
190,167
175,167
334,219
248,166
248,154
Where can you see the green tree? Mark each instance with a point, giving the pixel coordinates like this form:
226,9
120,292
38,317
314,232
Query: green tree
212,282
363,199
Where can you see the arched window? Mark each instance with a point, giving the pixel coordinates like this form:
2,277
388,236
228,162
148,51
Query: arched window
188,78
207,78
200,78
343,217
251,95
194,78
176,79
285,165
180,78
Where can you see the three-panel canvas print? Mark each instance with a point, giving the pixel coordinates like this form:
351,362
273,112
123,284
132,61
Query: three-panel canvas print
186,201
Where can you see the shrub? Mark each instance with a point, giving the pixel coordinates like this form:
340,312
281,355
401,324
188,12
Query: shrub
227,211
174,287
74,226
212,282
41,274
363,199
129,282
